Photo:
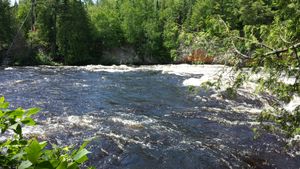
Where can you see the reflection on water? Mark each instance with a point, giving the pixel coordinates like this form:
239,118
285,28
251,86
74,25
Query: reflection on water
144,117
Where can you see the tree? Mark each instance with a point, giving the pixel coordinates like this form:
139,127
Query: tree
23,16
256,12
73,32
60,29
7,27
272,47
106,20
46,24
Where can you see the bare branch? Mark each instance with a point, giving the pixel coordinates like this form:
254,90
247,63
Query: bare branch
278,51
273,51
233,45
239,52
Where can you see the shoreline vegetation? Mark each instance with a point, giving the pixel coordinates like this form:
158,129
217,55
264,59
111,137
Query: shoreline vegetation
19,151
70,32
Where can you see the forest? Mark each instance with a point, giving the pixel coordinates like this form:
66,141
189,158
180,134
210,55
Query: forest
73,32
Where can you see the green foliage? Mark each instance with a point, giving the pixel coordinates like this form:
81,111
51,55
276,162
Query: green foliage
46,24
259,34
59,29
289,122
142,27
107,23
262,42
6,24
23,17
256,12
73,33
150,27
18,152
43,59
76,32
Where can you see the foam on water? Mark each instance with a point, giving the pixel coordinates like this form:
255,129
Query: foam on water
9,68
111,69
145,117
292,104
129,123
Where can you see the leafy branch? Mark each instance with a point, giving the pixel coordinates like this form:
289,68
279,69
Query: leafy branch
275,64
21,153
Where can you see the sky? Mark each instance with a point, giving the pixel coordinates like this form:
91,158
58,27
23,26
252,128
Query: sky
13,1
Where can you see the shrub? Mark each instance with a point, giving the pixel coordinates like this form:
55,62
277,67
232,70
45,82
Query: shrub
16,151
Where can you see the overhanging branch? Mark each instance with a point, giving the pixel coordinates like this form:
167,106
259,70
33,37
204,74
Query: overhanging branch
282,50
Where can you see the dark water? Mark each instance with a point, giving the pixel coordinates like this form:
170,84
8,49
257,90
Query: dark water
141,119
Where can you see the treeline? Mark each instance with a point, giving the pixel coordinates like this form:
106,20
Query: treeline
52,30
159,31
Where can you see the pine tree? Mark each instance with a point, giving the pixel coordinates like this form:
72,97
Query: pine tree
7,29
73,32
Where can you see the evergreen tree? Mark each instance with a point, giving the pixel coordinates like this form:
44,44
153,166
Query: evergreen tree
7,28
73,32
46,24
256,12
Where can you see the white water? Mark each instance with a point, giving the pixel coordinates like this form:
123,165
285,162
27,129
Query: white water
145,117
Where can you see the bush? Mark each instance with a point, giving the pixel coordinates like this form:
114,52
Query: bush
16,151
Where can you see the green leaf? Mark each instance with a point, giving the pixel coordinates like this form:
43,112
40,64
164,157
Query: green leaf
67,148
80,156
14,126
25,164
73,166
4,105
62,165
43,144
54,162
19,130
296,131
17,113
4,128
33,151
2,99
23,142
82,159
84,144
32,111
28,121
2,114
44,165
19,155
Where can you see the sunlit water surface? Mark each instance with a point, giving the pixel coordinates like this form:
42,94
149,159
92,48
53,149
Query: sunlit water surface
143,117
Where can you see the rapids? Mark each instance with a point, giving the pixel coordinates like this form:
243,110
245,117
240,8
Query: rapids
145,117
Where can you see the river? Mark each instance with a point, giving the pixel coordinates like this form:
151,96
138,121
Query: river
144,117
